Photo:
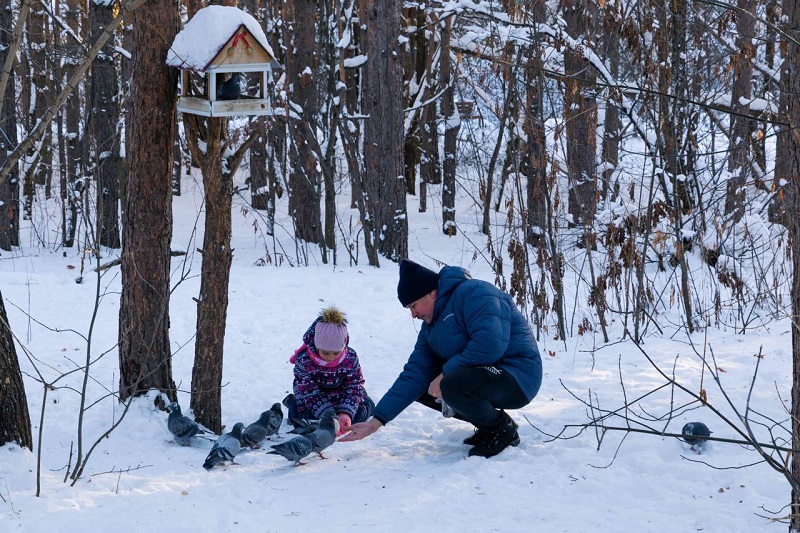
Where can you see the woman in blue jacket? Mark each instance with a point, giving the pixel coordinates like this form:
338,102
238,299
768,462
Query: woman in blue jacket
475,352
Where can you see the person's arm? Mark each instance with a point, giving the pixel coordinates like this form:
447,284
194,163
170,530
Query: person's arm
487,326
352,390
362,430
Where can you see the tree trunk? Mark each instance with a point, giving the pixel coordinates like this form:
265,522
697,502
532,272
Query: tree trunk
791,87
144,350
212,305
414,84
740,162
384,183
15,422
452,124
537,190
612,125
40,34
259,178
580,115
9,187
301,68
430,168
104,120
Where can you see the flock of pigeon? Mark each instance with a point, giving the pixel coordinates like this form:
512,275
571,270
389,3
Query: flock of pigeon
313,436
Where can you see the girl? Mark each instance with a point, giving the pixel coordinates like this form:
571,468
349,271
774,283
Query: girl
327,374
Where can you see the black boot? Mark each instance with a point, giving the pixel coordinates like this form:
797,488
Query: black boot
499,439
478,437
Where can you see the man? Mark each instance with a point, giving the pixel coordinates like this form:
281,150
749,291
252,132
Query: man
475,352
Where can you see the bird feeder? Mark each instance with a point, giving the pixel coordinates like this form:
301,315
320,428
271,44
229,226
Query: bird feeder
225,62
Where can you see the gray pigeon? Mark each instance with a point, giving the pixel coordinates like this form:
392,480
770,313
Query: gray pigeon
303,426
695,433
316,441
226,447
182,427
266,425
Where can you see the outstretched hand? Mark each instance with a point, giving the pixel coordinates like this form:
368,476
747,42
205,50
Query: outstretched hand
344,423
361,430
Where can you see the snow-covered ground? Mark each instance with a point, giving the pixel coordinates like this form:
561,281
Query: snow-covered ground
414,474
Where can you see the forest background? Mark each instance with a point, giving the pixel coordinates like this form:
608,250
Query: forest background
624,170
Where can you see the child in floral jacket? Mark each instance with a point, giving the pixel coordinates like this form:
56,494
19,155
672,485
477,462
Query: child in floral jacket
327,374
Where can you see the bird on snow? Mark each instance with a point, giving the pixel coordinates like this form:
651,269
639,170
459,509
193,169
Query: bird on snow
230,89
695,433
303,426
182,427
226,447
266,425
316,441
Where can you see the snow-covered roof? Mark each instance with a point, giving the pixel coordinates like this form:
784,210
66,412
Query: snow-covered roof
203,37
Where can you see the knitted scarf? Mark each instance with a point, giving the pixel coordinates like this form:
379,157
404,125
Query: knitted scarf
317,359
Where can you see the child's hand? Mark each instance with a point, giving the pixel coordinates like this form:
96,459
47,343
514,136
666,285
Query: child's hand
344,423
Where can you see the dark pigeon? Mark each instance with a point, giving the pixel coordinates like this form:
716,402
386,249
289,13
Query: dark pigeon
695,433
266,426
231,89
314,442
303,426
182,427
295,449
226,447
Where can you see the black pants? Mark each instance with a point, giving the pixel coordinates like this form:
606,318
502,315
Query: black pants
477,395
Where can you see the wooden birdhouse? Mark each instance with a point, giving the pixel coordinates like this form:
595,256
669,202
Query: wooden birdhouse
226,64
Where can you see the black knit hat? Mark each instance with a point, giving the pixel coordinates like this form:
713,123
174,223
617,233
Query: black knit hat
415,282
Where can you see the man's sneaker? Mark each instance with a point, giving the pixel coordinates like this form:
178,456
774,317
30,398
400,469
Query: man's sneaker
480,436
504,436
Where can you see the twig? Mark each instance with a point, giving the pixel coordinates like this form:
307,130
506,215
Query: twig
121,470
682,436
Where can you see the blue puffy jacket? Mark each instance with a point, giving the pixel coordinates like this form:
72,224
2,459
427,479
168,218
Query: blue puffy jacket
474,324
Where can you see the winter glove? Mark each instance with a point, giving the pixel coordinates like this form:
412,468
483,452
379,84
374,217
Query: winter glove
344,423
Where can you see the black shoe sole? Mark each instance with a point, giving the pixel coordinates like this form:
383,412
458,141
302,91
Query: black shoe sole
478,453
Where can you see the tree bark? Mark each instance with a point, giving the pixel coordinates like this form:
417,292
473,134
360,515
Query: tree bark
430,168
104,120
537,190
144,349
612,125
384,183
300,20
15,422
212,305
740,162
452,124
791,87
9,186
580,115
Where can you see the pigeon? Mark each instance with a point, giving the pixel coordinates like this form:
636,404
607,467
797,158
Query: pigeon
226,447
316,441
181,427
266,425
231,89
695,433
303,426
